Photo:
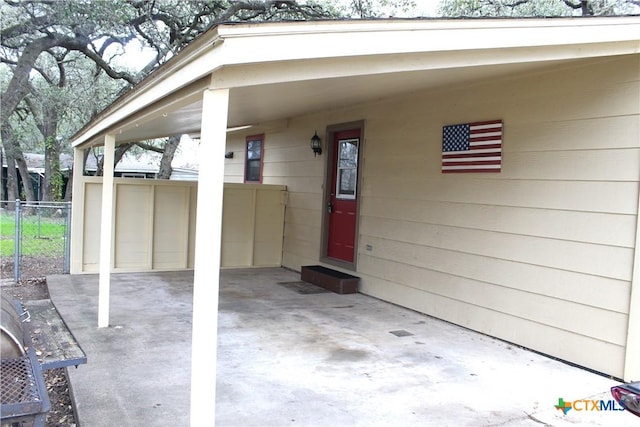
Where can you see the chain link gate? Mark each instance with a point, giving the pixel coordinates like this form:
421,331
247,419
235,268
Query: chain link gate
41,238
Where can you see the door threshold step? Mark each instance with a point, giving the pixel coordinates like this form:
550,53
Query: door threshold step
332,280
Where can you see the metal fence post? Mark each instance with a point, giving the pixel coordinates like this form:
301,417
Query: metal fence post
16,255
39,221
67,240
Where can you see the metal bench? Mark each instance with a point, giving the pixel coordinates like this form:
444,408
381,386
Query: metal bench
34,338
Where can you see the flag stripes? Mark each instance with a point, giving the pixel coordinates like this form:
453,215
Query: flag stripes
472,147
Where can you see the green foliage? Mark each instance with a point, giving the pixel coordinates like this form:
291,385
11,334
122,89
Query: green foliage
374,8
57,185
524,8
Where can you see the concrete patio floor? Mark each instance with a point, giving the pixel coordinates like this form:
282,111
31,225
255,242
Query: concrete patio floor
291,358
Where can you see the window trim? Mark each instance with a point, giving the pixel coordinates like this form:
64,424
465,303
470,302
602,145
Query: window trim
251,138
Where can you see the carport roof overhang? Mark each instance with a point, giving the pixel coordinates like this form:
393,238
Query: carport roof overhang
280,70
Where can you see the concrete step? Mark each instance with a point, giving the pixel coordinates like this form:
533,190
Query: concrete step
332,280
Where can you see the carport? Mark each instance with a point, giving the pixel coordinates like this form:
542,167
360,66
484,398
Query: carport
236,76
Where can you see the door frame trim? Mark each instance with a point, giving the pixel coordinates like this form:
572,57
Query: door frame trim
329,151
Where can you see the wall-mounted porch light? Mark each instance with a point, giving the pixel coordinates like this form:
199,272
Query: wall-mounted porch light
316,145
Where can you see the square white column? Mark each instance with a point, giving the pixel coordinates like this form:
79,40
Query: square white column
206,280
106,231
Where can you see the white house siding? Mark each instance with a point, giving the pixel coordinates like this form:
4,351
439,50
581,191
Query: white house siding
540,254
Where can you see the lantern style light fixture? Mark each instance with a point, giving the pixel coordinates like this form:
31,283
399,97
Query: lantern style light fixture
316,145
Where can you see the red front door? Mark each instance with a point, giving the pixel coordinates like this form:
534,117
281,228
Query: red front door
343,197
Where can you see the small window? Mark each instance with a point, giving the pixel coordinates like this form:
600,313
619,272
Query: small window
253,159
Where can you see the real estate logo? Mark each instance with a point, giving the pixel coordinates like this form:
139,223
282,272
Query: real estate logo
588,405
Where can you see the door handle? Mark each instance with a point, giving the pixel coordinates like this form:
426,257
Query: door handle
330,207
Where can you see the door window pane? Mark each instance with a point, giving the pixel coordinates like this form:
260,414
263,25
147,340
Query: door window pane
347,168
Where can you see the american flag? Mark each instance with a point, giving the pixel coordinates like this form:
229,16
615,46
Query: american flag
472,147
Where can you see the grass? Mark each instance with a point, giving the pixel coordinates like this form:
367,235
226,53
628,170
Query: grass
40,236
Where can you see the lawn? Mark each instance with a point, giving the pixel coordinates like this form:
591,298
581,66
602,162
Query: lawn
40,235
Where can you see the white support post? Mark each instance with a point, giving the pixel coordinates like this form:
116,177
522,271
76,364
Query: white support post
206,280
77,209
106,231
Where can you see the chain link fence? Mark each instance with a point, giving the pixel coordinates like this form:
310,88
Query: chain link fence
35,239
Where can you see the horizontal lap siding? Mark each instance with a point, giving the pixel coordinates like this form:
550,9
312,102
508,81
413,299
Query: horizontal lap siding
606,197
540,254
592,227
595,259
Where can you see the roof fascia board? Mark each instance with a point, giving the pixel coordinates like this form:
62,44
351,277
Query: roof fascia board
234,30
249,44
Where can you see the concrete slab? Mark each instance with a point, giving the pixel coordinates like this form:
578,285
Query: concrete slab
293,355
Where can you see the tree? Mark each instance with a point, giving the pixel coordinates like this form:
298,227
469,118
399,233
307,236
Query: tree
36,30
35,48
15,160
510,8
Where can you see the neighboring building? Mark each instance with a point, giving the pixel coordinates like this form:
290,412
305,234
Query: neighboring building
540,250
35,166
144,165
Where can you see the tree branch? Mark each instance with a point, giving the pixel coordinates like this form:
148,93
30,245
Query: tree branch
149,147
572,5
111,40
80,44
17,88
518,3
